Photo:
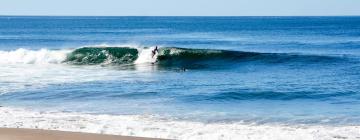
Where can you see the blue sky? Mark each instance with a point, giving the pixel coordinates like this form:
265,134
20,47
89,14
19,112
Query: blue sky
180,7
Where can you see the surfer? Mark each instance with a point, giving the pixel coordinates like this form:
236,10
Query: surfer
156,50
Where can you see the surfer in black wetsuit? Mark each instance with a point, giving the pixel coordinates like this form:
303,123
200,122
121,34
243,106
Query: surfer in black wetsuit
156,50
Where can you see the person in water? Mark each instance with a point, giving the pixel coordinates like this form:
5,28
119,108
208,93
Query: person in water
156,50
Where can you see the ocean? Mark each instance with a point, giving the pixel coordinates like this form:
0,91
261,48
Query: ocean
212,78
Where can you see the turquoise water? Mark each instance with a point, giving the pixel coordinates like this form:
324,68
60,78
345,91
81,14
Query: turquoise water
287,70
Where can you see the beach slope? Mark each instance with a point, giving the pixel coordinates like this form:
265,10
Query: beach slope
33,134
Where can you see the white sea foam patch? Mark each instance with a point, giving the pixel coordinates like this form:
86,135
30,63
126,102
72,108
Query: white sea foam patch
18,77
146,56
24,56
161,128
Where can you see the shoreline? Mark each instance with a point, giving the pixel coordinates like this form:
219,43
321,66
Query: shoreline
39,134
17,123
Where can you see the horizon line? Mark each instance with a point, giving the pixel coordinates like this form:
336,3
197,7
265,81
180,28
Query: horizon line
180,15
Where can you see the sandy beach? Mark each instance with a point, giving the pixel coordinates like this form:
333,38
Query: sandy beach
33,134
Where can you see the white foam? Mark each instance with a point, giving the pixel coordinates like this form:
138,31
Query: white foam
24,56
18,77
146,56
148,126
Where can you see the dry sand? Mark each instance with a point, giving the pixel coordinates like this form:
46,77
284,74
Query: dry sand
32,134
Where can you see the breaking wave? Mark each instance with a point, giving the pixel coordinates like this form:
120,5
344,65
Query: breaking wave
166,56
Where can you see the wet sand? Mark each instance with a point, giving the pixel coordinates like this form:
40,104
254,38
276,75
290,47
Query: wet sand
34,134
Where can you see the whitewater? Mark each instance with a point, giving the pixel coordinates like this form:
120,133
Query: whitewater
150,126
